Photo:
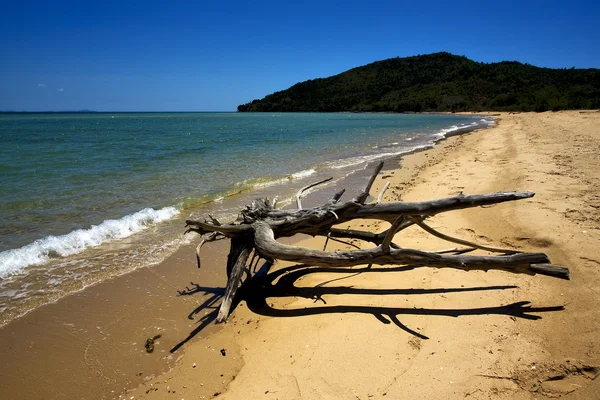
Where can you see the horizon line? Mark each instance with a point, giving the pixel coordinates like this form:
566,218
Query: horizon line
105,112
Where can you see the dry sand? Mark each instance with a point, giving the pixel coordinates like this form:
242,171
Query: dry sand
382,333
434,333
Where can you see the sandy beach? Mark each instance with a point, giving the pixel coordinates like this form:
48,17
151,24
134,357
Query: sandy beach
386,332
400,346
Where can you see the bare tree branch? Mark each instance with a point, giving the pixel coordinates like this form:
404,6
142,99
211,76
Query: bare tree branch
305,188
260,224
361,198
429,229
382,192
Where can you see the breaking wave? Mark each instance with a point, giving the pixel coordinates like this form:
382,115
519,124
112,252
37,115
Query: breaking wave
43,250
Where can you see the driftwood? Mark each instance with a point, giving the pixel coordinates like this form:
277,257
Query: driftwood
259,225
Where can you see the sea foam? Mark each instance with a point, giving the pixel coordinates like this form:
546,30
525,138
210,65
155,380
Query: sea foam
42,250
303,174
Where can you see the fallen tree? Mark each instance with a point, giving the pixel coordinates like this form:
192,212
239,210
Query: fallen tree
260,224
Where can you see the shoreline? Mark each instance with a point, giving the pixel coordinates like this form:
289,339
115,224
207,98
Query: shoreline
275,356
145,298
333,354
49,282
405,168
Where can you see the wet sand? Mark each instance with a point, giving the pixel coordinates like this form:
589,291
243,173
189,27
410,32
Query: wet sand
91,345
386,332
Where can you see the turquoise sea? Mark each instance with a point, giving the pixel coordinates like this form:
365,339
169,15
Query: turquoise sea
87,196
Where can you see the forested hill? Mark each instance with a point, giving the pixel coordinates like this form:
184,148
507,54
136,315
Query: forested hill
440,82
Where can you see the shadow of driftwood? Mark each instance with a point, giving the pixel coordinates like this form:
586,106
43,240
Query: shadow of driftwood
281,283
211,303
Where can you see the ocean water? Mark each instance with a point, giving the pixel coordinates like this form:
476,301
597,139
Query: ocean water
88,196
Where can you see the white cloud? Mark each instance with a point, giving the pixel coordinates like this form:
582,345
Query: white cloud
61,90
41,85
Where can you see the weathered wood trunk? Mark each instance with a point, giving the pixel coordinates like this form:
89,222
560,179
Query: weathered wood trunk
236,262
260,224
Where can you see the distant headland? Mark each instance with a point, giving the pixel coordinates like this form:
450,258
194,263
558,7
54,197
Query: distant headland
439,82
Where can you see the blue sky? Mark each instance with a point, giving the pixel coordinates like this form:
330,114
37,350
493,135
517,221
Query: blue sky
214,55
